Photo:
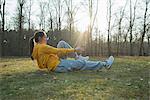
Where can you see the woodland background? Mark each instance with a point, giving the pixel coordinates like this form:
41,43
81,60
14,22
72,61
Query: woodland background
127,33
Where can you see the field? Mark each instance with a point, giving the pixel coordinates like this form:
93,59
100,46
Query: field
129,79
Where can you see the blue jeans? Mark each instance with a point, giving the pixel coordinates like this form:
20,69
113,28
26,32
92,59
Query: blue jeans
74,65
63,44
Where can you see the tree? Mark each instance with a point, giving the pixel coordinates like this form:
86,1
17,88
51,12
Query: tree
109,26
92,7
148,38
50,15
148,43
120,26
70,19
144,28
21,20
21,4
59,15
2,13
132,20
29,13
58,8
2,25
96,42
42,15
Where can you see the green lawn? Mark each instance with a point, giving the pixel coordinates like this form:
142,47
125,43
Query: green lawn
129,79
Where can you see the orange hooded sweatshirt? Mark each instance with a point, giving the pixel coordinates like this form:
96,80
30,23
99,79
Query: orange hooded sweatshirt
48,56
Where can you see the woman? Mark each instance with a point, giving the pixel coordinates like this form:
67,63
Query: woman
49,57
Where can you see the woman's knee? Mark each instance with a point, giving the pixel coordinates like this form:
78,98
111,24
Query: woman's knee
61,44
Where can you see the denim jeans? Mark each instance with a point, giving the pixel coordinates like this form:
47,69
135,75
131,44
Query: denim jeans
73,65
63,44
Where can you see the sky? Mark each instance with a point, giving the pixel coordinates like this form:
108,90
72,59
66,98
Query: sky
81,18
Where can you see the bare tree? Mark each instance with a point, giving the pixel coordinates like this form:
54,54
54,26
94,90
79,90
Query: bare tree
2,13
59,14
21,5
92,7
99,44
70,16
29,13
144,28
42,17
20,19
92,17
120,26
109,26
131,37
148,41
132,20
58,8
50,20
125,46
148,38
71,13
3,20
96,42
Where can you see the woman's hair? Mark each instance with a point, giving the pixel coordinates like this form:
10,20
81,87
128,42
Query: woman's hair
37,37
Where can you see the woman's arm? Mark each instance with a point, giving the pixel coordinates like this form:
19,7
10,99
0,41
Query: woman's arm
53,50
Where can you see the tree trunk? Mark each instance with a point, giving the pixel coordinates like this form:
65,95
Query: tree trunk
131,37
3,28
51,26
59,15
144,31
119,33
148,46
29,19
109,25
99,44
20,28
3,18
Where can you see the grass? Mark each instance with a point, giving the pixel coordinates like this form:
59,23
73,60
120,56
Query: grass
129,79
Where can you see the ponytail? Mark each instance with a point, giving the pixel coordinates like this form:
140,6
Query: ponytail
31,47
37,36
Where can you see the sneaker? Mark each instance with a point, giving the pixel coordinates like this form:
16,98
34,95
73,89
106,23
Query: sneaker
80,57
109,62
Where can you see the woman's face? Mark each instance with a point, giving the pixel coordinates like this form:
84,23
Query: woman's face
44,39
